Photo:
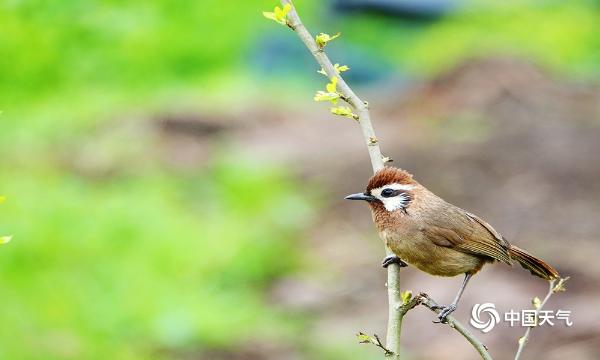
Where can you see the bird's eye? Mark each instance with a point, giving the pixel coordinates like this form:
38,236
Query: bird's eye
389,192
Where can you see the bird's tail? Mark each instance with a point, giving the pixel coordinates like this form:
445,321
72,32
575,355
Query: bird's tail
536,266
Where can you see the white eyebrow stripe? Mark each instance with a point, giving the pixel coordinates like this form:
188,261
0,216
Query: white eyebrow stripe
394,186
397,186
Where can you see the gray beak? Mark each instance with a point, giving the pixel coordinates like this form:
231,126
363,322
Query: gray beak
360,196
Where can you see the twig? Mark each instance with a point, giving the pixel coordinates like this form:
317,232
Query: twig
375,340
347,94
553,287
456,325
364,119
425,300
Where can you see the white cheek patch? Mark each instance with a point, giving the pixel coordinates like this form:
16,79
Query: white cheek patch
395,202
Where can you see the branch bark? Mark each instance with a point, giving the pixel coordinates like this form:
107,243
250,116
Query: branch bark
364,119
553,287
456,325
360,106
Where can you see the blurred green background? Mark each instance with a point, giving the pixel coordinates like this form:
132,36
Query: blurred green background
119,253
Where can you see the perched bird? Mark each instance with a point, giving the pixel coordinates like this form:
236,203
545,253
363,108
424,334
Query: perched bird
439,238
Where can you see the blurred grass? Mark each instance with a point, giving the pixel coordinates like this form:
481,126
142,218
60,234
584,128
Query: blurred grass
137,44
560,36
154,262
137,265
124,268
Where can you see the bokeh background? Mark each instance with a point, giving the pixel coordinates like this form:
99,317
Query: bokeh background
175,193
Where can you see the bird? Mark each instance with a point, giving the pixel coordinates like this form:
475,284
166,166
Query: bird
423,230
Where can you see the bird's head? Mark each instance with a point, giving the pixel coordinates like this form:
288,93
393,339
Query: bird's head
390,187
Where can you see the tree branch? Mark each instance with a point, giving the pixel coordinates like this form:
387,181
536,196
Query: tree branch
553,287
456,325
377,163
425,300
360,106
397,306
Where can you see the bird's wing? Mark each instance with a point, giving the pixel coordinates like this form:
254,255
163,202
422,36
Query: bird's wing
465,232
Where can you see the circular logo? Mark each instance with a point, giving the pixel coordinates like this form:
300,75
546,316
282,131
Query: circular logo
484,317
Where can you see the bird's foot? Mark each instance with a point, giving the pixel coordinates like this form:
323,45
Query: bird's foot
393,259
446,310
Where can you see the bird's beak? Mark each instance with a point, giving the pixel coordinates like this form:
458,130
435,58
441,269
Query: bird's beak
360,196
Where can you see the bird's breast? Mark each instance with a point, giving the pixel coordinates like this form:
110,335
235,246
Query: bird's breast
412,246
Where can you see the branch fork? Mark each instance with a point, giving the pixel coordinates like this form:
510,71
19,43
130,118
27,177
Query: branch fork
425,300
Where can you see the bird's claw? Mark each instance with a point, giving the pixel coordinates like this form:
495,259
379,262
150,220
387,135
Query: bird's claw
446,310
393,259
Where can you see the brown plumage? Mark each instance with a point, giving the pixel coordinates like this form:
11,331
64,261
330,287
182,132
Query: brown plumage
437,237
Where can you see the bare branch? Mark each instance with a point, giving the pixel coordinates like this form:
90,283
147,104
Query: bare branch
377,163
456,325
425,300
553,287
360,106
366,339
